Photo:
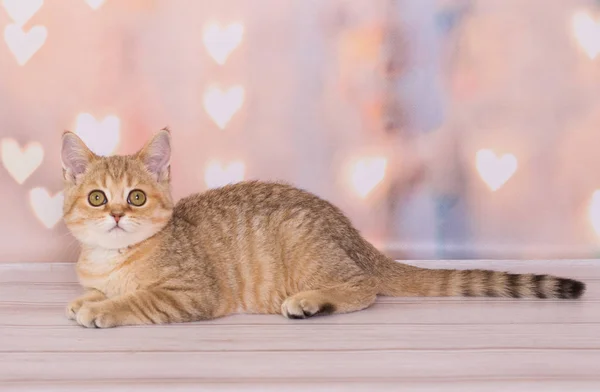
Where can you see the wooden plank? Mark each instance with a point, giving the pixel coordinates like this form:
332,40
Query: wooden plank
580,269
45,293
37,272
189,385
390,365
435,313
314,337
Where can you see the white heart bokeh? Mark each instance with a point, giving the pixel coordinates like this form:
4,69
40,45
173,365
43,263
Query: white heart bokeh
95,4
594,212
102,137
221,105
495,171
21,162
24,45
587,33
221,41
218,174
366,174
47,208
20,11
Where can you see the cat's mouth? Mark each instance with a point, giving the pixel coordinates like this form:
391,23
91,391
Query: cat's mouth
116,229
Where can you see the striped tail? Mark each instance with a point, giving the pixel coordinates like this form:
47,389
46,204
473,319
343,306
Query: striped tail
401,280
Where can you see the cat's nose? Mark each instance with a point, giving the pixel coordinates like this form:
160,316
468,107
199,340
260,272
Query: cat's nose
117,215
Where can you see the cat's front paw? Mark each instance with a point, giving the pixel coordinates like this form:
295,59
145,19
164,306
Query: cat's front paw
72,309
89,296
92,315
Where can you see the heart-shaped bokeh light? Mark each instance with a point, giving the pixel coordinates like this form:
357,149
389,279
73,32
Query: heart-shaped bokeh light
594,212
495,171
218,174
21,162
366,174
102,137
47,208
22,10
587,33
222,105
95,4
24,45
221,41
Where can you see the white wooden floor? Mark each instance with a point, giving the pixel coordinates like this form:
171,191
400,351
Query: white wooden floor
398,344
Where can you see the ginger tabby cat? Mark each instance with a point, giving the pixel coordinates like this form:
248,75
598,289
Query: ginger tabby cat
252,247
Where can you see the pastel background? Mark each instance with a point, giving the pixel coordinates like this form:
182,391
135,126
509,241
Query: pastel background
444,129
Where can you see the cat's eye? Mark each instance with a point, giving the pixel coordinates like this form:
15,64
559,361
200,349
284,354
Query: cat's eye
136,197
97,198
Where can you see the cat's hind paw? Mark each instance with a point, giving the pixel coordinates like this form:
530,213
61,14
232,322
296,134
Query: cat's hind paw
297,307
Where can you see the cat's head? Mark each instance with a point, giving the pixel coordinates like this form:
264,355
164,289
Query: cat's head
118,201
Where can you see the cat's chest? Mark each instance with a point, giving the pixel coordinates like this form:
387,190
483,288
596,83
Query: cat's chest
108,271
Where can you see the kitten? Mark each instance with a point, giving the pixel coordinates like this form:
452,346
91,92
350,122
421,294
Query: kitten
252,247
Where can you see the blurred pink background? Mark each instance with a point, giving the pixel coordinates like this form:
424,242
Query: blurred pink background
444,129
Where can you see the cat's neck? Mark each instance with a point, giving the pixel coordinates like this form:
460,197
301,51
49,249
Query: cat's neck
112,252
112,257
95,255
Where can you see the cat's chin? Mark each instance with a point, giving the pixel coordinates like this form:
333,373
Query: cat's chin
115,238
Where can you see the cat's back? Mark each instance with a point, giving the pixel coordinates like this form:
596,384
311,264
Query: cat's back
255,219
254,198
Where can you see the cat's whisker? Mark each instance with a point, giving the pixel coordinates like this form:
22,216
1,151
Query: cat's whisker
60,235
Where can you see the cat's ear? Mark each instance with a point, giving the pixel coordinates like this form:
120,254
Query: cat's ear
75,156
156,155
